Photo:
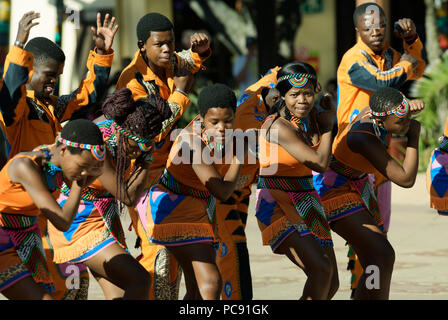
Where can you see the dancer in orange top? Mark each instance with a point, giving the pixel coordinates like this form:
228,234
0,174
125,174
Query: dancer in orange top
232,255
157,68
201,168
347,193
369,65
32,115
96,237
30,184
293,142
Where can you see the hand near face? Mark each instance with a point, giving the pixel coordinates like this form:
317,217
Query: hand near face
25,25
103,35
200,43
416,106
325,119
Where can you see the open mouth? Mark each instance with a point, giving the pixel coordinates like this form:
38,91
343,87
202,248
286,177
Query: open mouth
48,88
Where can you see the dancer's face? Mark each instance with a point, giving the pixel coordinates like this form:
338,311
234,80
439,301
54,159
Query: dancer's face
372,32
300,101
78,165
217,120
45,77
159,49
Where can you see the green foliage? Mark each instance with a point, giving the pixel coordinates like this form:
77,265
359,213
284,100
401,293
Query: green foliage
432,88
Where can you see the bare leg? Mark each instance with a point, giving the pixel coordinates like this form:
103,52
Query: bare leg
318,264
26,289
198,262
120,270
372,248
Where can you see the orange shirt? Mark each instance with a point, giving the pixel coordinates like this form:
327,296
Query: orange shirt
344,154
362,72
14,199
27,121
141,80
276,161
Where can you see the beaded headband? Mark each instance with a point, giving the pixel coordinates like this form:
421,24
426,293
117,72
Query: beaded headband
98,150
142,143
401,110
297,80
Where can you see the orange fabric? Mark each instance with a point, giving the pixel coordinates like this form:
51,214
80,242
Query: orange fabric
353,94
344,154
25,131
14,199
273,155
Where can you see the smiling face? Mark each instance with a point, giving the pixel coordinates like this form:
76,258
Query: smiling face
75,166
45,77
158,49
372,32
300,101
217,120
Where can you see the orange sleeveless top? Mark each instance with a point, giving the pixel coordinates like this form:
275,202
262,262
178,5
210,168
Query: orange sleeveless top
14,199
344,154
179,165
273,155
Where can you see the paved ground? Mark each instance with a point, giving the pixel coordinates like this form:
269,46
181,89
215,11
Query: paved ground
417,234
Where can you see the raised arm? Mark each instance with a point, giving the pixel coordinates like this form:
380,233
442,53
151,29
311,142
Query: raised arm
99,63
17,72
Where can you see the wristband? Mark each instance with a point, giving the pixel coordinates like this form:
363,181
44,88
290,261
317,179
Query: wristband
19,44
182,91
411,39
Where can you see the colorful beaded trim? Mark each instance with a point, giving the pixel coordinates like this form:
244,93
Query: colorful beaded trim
297,80
142,143
443,143
400,111
98,150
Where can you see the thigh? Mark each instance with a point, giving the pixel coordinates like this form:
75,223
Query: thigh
304,251
26,289
361,231
116,265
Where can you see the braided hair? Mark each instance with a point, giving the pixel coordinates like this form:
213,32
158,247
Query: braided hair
385,99
143,118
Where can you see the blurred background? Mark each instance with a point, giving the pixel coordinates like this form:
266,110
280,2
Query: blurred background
267,33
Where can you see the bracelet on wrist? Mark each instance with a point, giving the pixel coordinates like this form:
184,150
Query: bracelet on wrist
19,44
182,91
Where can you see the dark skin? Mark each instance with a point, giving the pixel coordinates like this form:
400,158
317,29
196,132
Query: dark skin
158,51
319,264
79,170
360,230
372,149
46,74
202,277
372,33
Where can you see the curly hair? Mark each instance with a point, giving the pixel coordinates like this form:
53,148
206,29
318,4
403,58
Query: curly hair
143,118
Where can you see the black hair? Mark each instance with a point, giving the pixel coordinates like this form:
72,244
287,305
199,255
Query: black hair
284,86
44,49
152,21
385,99
217,95
362,10
143,118
81,131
